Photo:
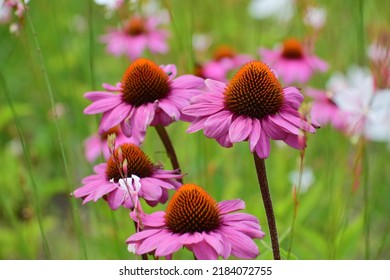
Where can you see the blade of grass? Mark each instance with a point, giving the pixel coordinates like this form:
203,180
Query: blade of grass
74,209
27,158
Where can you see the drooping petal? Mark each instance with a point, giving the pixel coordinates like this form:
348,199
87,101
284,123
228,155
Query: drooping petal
240,129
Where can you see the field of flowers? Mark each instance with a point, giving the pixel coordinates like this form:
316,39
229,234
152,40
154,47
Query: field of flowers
147,129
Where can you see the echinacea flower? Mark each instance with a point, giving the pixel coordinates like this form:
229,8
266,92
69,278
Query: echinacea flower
225,59
137,35
109,180
325,111
253,107
148,95
194,220
292,62
96,144
368,108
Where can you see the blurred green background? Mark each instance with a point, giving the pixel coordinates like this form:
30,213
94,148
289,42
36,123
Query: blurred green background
39,219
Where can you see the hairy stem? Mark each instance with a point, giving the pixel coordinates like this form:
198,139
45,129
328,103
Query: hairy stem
263,182
162,132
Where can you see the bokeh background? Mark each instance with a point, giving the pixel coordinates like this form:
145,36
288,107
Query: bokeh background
343,214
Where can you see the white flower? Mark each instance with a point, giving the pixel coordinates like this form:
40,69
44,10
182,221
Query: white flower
307,179
283,10
368,109
315,17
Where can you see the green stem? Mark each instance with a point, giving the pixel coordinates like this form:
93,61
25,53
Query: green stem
265,194
296,203
162,133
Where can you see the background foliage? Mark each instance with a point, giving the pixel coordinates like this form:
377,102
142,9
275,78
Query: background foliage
39,219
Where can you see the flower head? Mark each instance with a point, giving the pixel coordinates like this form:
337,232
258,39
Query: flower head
148,95
225,59
96,144
368,109
253,107
292,63
194,220
282,10
135,36
111,179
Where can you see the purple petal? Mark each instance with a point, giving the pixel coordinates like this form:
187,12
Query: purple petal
263,146
284,124
228,206
115,199
169,246
156,219
203,251
217,125
188,81
190,238
113,118
202,109
103,105
240,129
215,86
272,130
215,241
254,136
153,242
242,245
142,235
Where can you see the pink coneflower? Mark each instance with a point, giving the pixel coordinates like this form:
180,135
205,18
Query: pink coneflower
135,36
292,63
325,111
194,220
110,179
148,95
225,59
96,144
253,107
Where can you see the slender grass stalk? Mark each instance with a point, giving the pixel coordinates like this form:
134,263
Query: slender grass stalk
91,44
59,136
162,132
366,201
297,190
27,158
264,189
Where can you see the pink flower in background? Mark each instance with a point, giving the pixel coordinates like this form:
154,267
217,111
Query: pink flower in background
368,108
225,60
253,107
148,95
96,145
325,111
137,35
292,63
113,179
194,220
379,55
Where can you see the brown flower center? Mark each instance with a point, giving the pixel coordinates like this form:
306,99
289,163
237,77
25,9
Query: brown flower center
224,51
144,82
191,209
254,91
135,26
292,49
138,163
